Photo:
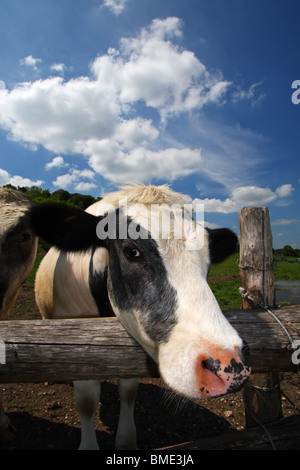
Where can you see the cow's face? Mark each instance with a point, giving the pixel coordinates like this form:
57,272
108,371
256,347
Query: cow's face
18,245
158,288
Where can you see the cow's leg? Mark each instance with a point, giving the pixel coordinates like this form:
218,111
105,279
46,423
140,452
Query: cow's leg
7,431
126,434
87,397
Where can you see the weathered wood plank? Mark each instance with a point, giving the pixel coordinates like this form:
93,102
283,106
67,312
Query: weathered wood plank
256,250
257,278
64,350
284,433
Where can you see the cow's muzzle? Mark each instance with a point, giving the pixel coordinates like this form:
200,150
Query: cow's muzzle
222,372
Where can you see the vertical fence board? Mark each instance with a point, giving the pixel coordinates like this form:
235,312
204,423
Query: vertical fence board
256,249
262,392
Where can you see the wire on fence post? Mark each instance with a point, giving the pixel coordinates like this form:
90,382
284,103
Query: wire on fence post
245,295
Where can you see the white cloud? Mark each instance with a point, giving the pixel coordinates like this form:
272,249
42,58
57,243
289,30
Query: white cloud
85,186
98,115
95,114
74,177
6,178
252,94
116,6
152,69
21,181
31,62
133,132
285,221
58,114
230,155
140,164
59,68
169,27
57,162
285,190
217,205
253,195
245,196
2,85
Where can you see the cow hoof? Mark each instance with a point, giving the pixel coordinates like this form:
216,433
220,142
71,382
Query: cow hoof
7,434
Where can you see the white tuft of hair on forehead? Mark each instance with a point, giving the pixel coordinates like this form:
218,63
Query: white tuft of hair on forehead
142,203
144,194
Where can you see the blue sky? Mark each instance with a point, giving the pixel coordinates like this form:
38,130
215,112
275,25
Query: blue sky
193,93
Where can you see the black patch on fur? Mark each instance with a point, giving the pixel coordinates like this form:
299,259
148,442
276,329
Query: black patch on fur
67,228
245,354
222,243
98,288
17,244
3,289
135,283
141,284
16,252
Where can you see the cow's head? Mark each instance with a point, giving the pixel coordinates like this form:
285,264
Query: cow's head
158,288
18,245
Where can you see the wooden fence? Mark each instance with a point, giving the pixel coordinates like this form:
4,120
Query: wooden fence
64,350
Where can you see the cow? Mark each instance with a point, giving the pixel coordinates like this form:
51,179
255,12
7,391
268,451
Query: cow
18,246
116,258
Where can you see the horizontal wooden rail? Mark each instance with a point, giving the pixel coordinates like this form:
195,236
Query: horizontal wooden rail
64,350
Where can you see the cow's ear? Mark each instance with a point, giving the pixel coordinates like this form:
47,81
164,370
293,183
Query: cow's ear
222,243
65,227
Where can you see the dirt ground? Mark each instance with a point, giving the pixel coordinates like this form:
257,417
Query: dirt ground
45,416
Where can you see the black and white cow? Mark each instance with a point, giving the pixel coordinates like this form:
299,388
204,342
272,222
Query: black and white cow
156,285
18,245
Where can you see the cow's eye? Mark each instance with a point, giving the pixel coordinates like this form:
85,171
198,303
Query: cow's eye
132,253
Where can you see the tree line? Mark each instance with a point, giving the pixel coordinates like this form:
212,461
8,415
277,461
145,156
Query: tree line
82,201
39,195
287,250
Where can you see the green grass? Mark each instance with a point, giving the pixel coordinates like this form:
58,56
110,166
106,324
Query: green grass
31,277
224,279
228,268
285,270
227,294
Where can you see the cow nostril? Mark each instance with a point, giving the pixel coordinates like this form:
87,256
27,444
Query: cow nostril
210,383
211,365
245,353
219,376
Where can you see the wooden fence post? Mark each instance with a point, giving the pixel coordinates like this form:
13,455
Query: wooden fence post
262,392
